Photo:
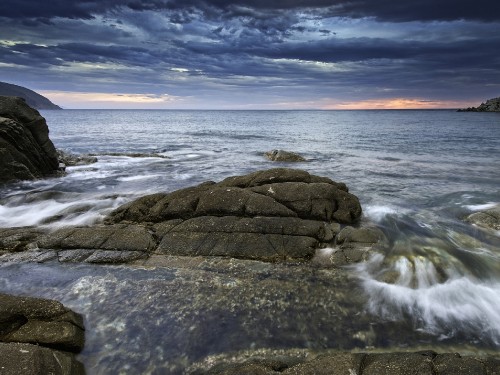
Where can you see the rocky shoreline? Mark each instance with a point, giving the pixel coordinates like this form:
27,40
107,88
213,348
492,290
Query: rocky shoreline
249,231
491,105
274,215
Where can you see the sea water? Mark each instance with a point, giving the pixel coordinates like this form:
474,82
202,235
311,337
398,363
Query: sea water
418,174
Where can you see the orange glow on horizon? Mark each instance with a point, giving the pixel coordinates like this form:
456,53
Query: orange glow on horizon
398,103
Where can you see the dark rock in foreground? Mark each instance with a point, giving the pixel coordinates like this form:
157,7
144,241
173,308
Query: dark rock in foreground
491,105
418,363
41,322
26,152
285,156
28,359
39,336
270,215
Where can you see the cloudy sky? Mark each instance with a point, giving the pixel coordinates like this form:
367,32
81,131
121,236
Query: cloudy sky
255,54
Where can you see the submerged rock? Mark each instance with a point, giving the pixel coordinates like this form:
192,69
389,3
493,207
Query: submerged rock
70,160
26,152
282,155
39,336
488,219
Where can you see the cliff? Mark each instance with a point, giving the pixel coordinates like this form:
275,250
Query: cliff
32,98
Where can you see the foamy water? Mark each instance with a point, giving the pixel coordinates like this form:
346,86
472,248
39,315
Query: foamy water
460,305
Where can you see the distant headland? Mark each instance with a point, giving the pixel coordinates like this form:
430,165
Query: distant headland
32,98
491,105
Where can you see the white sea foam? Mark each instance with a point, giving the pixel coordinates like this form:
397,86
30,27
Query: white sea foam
53,213
462,304
323,256
378,213
480,207
137,178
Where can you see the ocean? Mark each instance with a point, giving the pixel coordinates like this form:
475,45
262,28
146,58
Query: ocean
417,174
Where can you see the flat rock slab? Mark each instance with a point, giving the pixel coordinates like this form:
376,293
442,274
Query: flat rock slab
417,363
103,237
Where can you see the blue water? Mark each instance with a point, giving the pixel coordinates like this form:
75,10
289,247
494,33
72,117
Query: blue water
417,174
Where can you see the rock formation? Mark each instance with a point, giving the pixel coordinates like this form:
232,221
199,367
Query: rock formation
271,215
491,105
268,215
285,156
488,219
39,336
26,152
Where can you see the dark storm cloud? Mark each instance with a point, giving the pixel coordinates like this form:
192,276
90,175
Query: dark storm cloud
220,47
388,10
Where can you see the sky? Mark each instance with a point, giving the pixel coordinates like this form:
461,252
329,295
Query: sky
253,54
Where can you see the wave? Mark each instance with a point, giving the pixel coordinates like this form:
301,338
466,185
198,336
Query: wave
447,302
57,211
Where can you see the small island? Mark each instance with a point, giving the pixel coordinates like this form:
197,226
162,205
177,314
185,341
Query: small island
491,105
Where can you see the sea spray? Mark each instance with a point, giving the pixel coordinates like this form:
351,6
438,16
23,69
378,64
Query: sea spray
461,305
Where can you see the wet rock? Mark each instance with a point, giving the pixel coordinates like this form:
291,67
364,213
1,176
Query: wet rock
488,219
360,235
417,363
352,245
110,256
351,254
70,160
17,239
282,155
39,336
26,152
449,364
40,321
27,359
271,215
100,237
119,243
342,363
398,364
